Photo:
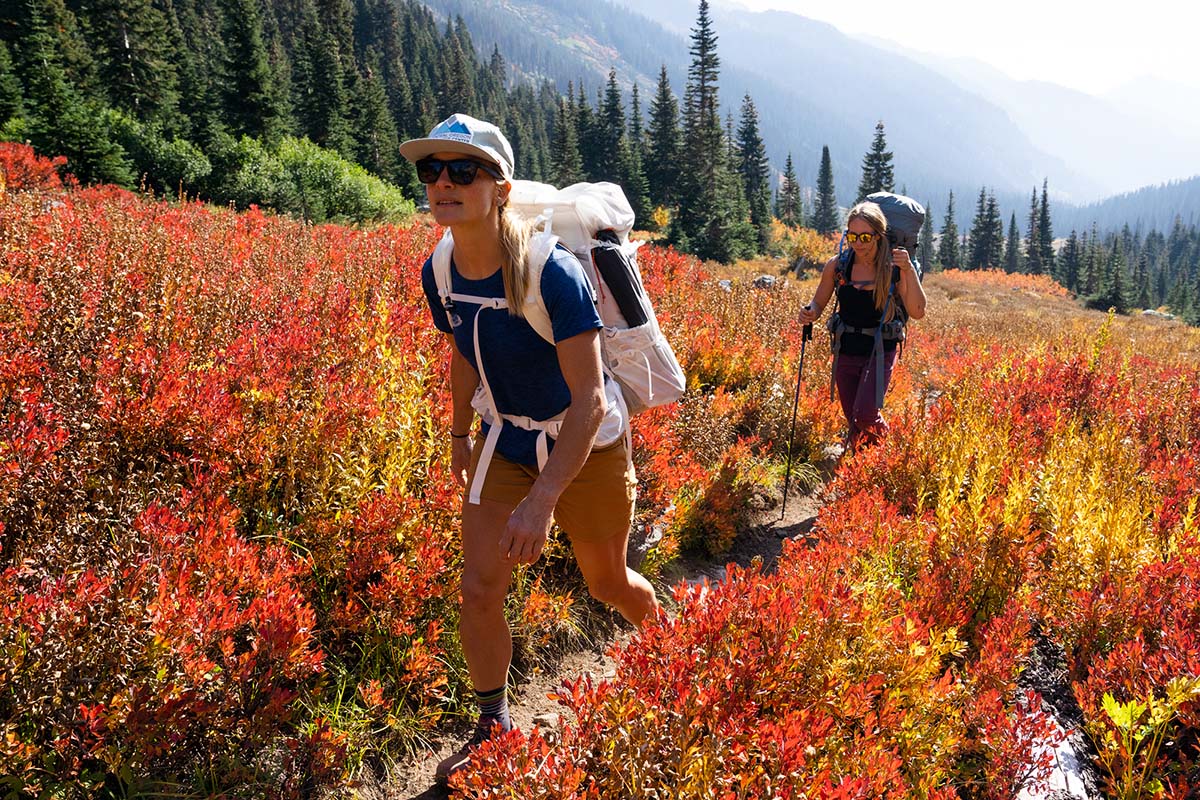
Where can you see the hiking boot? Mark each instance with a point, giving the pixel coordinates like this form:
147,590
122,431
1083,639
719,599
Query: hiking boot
486,728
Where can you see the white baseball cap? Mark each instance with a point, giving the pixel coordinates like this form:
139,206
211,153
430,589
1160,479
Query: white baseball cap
460,133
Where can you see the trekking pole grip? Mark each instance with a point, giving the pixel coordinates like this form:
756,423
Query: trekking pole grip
806,333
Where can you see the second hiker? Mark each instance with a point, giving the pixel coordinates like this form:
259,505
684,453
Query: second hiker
872,304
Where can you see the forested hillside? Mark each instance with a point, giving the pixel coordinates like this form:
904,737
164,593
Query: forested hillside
1128,268
1148,207
216,96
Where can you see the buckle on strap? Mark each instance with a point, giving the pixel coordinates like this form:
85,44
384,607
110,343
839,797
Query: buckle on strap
547,429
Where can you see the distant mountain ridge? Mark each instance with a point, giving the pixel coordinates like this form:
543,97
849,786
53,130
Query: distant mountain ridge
1148,208
812,85
1122,141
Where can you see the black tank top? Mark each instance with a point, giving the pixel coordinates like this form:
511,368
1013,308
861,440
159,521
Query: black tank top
857,309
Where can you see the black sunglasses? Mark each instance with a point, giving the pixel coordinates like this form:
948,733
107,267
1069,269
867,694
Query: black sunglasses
462,170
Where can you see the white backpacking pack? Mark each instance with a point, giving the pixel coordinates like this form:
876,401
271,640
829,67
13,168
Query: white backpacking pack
593,221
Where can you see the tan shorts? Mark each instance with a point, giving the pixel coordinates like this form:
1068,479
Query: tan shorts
596,506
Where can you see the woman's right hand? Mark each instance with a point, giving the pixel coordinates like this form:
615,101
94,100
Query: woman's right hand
808,315
460,459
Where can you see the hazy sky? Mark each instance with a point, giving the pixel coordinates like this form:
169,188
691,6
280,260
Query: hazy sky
1093,46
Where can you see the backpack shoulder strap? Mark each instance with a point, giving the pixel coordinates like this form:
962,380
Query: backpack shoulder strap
441,269
534,310
841,272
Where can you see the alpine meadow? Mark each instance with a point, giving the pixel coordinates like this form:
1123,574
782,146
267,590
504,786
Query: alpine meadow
231,548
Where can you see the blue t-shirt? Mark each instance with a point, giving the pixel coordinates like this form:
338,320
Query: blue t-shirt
522,367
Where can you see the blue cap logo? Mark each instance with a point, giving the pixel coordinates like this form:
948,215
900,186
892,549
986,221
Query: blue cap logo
456,130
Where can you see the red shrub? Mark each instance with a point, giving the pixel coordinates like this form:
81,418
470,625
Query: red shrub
22,169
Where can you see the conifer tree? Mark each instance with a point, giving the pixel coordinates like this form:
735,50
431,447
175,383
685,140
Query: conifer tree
731,154
633,174
326,108
637,136
135,65
877,171
520,136
611,133
11,96
195,36
1045,240
1033,252
1093,264
1070,263
337,17
826,216
76,57
995,254
633,181
948,250
755,172
987,234
1178,298
281,83
587,130
981,230
60,120
1160,281
1114,289
708,220
663,146
1189,307
248,95
788,206
925,254
702,122
566,163
1012,247
497,75
1141,283
378,144
457,88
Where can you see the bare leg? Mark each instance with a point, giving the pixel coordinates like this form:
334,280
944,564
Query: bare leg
610,581
486,640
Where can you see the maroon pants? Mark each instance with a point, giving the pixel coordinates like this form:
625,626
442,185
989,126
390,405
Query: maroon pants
855,379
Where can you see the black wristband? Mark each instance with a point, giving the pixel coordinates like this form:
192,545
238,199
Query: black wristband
454,435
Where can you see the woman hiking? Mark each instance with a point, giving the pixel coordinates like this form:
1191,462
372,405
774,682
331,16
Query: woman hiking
867,303
555,407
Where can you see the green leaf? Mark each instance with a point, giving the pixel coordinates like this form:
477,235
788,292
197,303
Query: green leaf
1123,715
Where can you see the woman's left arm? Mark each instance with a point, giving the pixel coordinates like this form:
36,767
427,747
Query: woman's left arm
579,359
911,291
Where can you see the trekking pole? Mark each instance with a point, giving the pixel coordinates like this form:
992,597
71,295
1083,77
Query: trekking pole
805,336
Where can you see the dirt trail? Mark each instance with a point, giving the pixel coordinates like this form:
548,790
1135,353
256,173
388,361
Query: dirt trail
414,779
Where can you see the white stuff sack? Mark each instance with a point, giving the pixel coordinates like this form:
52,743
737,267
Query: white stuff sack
576,212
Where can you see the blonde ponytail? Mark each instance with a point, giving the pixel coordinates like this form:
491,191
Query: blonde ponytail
514,242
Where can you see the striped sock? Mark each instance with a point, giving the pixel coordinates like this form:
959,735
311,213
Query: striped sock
493,706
